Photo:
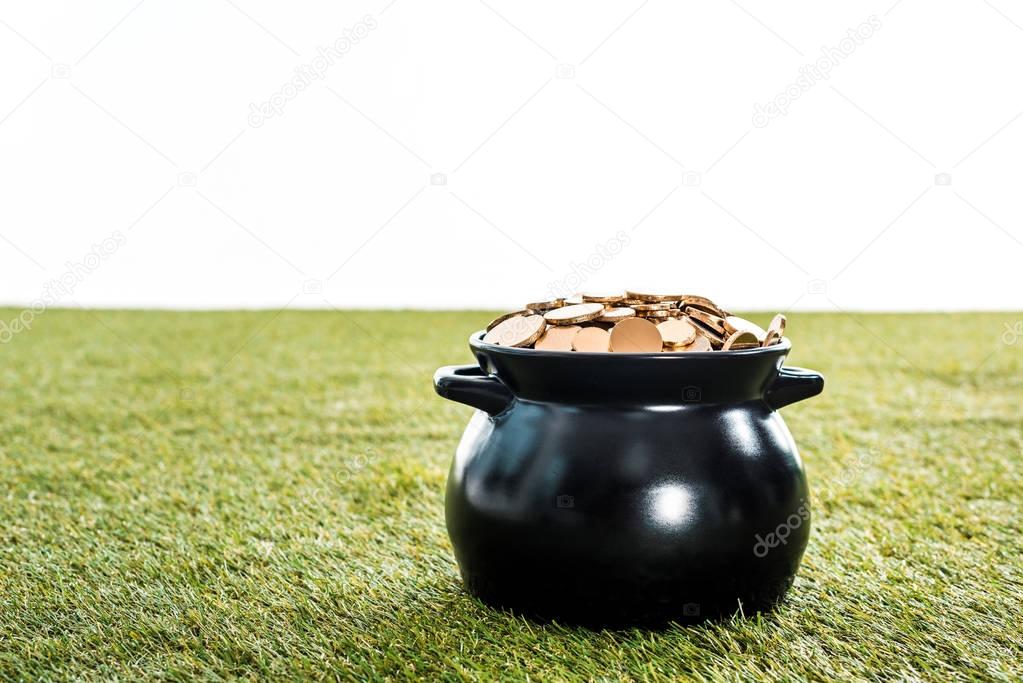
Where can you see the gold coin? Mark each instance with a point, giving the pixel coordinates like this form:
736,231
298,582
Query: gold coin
651,297
519,330
719,312
635,335
700,343
592,339
660,306
743,339
676,332
715,338
501,318
708,319
557,338
659,315
577,313
541,306
696,300
703,303
630,302
603,298
574,299
734,323
775,331
613,315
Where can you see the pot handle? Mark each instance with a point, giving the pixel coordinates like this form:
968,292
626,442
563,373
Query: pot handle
793,384
469,385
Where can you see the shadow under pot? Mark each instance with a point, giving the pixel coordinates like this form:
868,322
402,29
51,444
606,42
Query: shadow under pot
615,489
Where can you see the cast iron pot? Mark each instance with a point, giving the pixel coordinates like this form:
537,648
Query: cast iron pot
615,489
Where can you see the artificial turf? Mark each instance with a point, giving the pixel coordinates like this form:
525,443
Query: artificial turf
260,494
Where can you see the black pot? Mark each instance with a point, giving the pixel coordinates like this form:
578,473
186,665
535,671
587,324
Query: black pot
610,489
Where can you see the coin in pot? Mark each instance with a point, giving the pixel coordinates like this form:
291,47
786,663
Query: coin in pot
501,318
541,306
719,312
658,315
658,306
700,343
613,315
557,338
650,296
577,313
715,338
593,339
635,335
734,323
602,297
778,325
696,300
519,330
710,320
676,332
743,339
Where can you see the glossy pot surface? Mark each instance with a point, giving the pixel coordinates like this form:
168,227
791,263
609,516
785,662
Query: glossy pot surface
614,489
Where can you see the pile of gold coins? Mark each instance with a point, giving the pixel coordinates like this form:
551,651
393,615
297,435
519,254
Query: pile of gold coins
633,322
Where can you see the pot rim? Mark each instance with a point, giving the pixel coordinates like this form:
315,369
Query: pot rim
476,343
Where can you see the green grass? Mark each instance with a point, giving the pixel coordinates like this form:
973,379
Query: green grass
258,495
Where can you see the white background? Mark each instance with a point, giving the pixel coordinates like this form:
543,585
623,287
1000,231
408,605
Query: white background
555,126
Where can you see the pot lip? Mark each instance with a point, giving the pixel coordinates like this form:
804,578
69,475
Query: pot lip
476,343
